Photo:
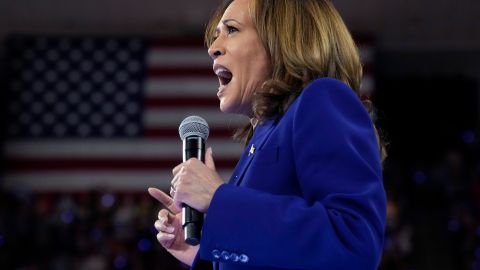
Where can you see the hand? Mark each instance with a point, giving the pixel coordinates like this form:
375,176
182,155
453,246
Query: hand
170,231
194,183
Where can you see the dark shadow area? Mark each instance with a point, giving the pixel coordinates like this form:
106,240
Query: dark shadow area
432,174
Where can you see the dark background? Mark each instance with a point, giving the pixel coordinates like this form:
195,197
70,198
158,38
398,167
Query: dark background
427,75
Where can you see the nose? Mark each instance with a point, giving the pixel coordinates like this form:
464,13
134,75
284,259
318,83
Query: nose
216,49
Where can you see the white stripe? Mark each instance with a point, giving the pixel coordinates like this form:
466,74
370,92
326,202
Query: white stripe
133,149
185,57
185,86
105,180
172,117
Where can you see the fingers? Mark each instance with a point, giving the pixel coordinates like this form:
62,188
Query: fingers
209,158
177,168
163,198
166,230
163,223
165,239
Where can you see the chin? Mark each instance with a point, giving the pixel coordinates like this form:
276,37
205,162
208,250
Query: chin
224,107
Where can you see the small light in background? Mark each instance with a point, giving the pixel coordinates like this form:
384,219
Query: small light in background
144,245
468,137
419,177
120,262
67,216
108,200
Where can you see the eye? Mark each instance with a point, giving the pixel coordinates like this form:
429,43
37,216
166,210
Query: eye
231,29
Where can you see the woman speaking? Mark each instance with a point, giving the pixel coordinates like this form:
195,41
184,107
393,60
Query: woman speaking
307,193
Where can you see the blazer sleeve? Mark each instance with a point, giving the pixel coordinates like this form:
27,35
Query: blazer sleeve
338,222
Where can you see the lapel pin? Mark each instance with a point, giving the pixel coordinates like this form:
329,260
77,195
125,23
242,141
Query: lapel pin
252,150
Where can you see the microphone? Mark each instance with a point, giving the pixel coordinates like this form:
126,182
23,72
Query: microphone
194,132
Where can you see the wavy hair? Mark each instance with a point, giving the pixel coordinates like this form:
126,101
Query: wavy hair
305,40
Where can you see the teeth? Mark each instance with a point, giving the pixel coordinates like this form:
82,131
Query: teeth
222,72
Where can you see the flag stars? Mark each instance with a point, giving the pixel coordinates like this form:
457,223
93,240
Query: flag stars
75,87
61,87
27,76
120,98
85,108
59,130
86,87
133,88
50,98
97,98
86,66
52,55
38,86
76,55
39,65
36,130
123,56
51,76
108,88
99,56
121,77
48,119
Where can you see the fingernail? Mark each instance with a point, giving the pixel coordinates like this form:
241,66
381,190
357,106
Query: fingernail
170,229
170,235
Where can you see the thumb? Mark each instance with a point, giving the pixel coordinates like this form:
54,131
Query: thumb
209,158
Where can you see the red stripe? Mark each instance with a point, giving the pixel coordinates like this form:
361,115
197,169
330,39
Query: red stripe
98,164
164,133
180,71
172,102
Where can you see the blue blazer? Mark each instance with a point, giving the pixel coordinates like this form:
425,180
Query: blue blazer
307,192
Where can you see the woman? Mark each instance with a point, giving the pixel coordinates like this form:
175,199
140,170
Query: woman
307,193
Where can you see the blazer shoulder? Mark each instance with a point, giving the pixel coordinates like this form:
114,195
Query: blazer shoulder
329,94
327,86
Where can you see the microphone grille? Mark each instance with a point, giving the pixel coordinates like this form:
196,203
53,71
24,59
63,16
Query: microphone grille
193,126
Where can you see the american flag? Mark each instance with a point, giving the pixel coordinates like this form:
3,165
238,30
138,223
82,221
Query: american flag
103,113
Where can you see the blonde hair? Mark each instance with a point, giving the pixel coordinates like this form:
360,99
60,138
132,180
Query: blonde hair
305,40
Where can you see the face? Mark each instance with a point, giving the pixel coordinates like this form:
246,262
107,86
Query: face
239,59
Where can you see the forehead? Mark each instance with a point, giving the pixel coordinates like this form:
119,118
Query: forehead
238,10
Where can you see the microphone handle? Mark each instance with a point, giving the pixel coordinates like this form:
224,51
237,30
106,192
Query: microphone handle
192,220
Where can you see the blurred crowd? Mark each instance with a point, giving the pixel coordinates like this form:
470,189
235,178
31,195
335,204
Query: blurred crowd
434,210
86,230
433,222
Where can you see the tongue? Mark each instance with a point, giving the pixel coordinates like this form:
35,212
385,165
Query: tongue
225,76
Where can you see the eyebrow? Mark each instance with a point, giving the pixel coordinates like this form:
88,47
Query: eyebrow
230,20
224,22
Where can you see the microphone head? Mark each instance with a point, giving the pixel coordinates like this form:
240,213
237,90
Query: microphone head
194,126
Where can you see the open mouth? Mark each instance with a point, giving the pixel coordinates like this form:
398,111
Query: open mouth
224,75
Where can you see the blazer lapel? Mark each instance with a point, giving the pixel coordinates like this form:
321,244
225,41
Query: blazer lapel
258,140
